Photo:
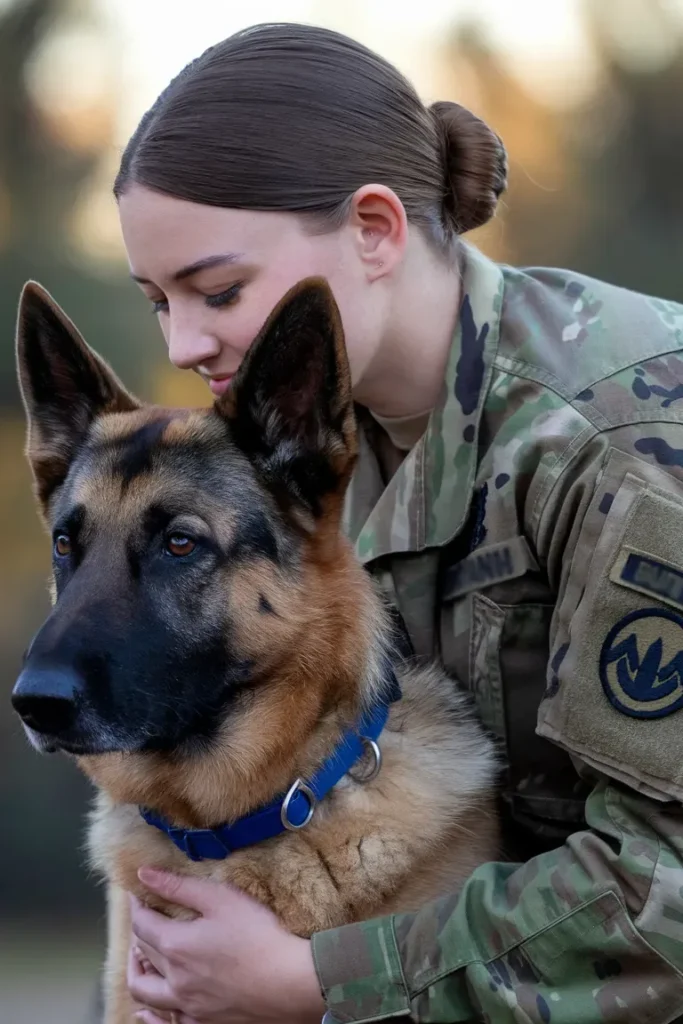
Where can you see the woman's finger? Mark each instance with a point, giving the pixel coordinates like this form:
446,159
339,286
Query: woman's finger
149,989
146,923
149,1017
142,961
135,969
138,964
149,955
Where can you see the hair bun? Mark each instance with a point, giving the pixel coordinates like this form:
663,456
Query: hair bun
475,163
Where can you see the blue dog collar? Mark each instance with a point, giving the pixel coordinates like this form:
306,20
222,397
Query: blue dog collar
295,809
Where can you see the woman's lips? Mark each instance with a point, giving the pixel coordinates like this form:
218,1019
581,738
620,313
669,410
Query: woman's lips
219,385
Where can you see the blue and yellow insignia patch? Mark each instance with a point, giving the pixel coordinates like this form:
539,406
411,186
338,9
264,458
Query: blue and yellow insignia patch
641,663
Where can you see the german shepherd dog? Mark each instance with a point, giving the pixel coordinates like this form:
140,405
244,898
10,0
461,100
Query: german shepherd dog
214,644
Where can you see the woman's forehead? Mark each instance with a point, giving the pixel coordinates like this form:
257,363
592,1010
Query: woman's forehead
174,238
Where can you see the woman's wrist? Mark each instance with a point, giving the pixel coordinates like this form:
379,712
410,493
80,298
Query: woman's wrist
302,998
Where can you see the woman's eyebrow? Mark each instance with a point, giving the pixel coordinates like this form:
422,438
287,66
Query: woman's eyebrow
220,259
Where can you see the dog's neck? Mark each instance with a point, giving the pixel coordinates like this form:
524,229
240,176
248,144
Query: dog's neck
295,808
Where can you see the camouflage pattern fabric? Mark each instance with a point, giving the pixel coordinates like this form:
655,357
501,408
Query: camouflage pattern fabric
533,540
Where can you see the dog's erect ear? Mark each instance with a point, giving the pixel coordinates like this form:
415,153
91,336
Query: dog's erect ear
64,386
290,406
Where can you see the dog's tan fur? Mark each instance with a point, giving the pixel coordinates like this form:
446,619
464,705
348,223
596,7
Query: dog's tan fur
390,844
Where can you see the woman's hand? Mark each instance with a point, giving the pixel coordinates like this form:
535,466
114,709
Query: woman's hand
235,964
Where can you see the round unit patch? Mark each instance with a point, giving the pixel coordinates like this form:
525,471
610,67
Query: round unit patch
641,663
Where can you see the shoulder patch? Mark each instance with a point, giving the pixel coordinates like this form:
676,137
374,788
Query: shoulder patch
641,663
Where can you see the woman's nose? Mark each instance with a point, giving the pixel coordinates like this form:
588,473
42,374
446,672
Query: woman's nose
189,348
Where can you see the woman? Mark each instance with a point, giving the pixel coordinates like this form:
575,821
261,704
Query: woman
519,494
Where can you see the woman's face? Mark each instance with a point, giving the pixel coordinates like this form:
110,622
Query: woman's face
214,274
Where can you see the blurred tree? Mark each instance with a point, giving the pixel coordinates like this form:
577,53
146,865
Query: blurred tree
43,175
631,147
47,160
595,187
541,204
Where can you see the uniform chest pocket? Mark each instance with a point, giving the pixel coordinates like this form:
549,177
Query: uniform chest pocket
617,700
472,624
508,664
494,646
508,658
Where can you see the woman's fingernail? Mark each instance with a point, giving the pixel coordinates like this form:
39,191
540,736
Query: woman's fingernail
150,875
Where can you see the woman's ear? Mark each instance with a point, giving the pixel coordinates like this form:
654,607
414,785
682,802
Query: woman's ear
380,225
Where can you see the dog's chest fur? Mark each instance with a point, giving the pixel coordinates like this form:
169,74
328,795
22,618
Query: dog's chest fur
411,834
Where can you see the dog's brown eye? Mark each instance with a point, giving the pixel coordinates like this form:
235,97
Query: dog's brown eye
62,545
179,545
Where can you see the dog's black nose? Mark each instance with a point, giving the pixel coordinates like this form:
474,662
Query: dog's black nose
46,699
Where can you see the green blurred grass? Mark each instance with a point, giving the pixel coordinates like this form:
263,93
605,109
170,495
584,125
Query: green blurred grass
49,974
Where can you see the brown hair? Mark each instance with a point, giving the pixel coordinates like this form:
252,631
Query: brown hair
297,118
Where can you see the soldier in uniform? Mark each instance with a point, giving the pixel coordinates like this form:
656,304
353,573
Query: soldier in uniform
519,495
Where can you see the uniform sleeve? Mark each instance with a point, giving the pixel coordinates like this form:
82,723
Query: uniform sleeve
591,931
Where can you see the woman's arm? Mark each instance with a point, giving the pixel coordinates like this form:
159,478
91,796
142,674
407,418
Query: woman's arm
592,931
588,932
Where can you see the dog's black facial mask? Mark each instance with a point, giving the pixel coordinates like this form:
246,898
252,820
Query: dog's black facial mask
157,515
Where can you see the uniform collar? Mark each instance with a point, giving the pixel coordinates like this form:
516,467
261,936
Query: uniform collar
426,501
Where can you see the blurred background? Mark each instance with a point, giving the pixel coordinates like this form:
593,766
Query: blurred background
586,94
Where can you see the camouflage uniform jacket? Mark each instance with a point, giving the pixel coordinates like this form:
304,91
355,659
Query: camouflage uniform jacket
533,540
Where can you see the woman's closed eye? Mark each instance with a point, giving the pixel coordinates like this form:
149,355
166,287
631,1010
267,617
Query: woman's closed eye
225,298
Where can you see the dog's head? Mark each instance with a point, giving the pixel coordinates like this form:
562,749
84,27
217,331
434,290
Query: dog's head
204,594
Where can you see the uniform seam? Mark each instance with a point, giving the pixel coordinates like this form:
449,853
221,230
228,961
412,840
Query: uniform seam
654,872
575,447
623,909
399,961
620,909
552,384
636,926
443,973
609,801
589,431
542,375
537,513
643,416
637,929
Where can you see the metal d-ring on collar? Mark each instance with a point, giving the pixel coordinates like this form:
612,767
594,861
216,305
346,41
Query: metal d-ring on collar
374,770
296,809
298,787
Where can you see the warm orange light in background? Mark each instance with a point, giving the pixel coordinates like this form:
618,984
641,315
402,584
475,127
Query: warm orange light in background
93,81
72,79
586,95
